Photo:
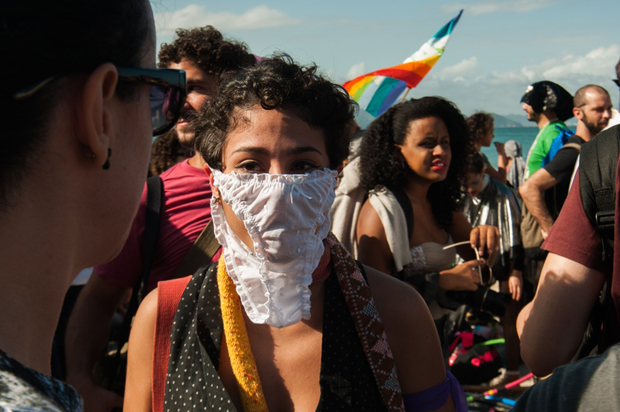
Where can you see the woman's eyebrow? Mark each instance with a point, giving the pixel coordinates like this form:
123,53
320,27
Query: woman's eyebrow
262,150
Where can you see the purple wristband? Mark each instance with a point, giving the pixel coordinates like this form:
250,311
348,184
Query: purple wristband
435,397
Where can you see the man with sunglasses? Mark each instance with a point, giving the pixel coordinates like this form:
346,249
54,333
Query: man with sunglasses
203,54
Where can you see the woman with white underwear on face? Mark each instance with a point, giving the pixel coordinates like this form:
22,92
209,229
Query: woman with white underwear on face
286,320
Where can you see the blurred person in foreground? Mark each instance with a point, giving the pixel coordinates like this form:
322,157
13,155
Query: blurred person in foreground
204,55
82,99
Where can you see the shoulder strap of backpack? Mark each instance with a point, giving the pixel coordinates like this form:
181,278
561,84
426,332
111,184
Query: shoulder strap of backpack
169,295
405,204
597,177
200,254
575,146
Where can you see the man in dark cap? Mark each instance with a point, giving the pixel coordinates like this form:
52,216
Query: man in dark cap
549,105
552,325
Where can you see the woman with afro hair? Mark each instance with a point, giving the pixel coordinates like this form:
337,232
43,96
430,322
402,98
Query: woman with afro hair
416,153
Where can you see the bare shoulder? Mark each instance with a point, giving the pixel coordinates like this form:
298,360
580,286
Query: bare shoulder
369,224
394,297
148,307
372,244
410,331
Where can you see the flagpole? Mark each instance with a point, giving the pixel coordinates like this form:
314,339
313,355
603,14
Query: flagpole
405,95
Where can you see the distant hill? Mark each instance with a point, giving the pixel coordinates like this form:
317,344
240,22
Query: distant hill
507,121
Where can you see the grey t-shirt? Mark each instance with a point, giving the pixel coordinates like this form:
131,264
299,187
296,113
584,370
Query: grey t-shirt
592,384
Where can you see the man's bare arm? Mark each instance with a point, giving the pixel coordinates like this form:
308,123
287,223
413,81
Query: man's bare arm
532,191
552,325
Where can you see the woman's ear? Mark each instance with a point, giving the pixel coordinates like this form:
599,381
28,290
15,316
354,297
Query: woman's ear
95,114
211,181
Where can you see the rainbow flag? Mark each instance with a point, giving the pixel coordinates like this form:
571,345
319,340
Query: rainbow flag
377,91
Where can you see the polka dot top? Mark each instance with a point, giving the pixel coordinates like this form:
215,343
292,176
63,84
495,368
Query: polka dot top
193,382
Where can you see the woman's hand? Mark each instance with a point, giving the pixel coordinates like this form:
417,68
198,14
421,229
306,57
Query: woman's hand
515,284
485,238
461,277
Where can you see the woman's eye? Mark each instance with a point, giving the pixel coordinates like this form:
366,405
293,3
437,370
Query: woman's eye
248,167
304,166
428,144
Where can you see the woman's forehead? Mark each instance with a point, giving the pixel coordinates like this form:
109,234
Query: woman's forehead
257,127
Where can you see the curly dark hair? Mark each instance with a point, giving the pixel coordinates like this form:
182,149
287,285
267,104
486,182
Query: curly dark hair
50,41
165,152
207,49
479,124
475,164
380,163
276,83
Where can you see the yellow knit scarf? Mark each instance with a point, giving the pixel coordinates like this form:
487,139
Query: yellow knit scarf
239,349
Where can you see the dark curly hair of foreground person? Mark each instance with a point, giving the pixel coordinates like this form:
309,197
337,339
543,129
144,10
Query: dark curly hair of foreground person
381,163
276,83
167,151
207,49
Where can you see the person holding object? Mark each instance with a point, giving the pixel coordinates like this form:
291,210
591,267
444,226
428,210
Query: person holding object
419,148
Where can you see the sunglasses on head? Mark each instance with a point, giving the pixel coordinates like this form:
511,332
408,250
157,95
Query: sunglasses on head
167,97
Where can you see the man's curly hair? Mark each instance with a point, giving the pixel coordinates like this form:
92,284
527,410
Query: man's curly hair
381,163
207,49
479,124
165,152
276,83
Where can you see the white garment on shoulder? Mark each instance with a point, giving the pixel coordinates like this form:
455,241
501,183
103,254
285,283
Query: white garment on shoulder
394,223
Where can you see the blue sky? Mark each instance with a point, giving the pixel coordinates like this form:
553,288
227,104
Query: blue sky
496,50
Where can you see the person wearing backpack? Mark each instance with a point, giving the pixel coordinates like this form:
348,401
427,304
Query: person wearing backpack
579,288
545,191
548,105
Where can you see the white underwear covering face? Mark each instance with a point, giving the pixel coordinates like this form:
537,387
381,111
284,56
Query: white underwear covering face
287,218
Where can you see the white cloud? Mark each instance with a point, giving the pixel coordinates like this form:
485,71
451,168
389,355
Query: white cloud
500,91
598,62
356,70
484,7
195,15
467,66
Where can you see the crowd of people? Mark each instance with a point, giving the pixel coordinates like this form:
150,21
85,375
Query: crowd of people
282,259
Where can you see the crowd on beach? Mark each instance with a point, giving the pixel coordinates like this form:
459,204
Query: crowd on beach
264,253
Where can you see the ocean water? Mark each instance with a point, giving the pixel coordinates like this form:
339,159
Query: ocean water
523,135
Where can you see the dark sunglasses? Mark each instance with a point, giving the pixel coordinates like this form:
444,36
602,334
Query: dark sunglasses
168,93
167,97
